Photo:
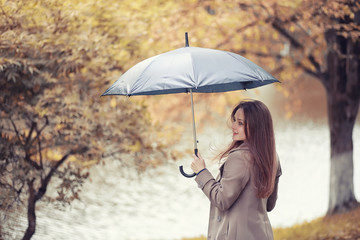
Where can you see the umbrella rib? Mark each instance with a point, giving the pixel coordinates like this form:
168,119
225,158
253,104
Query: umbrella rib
143,71
247,65
195,78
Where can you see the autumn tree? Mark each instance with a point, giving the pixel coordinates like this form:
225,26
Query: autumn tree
324,42
56,58
297,39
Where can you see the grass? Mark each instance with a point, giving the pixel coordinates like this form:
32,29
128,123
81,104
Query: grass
344,226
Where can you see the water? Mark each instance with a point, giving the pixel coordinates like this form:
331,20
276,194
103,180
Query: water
162,204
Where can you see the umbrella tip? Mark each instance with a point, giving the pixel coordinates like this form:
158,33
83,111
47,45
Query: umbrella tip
186,40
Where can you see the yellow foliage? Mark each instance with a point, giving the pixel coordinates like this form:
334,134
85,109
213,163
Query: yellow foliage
341,227
59,126
292,28
90,163
72,158
275,35
134,147
287,3
53,155
43,112
286,93
113,102
196,238
289,114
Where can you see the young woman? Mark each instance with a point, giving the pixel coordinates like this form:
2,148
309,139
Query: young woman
246,187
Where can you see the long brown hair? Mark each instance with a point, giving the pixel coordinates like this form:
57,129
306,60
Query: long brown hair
260,137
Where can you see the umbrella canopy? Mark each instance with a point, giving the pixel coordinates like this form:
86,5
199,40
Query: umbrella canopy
190,69
200,69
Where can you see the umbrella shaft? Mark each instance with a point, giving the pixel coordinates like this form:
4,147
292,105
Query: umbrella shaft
193,120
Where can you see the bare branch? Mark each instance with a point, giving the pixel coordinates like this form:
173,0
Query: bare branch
308,70
277,24
16,131
25,146
259,54
314,63
40,154
12,188
31,162
264,7
38,132
44,183
32,128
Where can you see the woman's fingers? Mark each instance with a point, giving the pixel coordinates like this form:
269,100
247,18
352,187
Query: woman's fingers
197,164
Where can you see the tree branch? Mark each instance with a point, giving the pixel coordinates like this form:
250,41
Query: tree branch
31,162
277,24
32,128
44,183
16,131
30,143
27,155
259,54
40,154
308,70
38,132
315,63
11,187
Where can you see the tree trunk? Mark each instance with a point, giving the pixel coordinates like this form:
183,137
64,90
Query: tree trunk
343,95
31,212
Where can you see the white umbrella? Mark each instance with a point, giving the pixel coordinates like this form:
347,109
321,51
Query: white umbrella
190,69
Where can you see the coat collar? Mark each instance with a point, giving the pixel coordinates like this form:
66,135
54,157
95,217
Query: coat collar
243,146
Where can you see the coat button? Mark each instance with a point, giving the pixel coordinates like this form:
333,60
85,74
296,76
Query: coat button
219,218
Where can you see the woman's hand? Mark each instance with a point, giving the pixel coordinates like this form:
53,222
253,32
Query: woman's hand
198,164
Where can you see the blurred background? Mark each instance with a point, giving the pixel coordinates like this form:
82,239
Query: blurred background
75,165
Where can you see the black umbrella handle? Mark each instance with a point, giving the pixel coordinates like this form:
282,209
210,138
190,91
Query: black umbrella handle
185,174
182,170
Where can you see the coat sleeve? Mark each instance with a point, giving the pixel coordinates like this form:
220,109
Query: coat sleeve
273,197
235,176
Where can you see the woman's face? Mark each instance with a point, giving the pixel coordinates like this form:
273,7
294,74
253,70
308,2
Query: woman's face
238,126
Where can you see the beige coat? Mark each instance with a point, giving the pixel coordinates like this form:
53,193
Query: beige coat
235,211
